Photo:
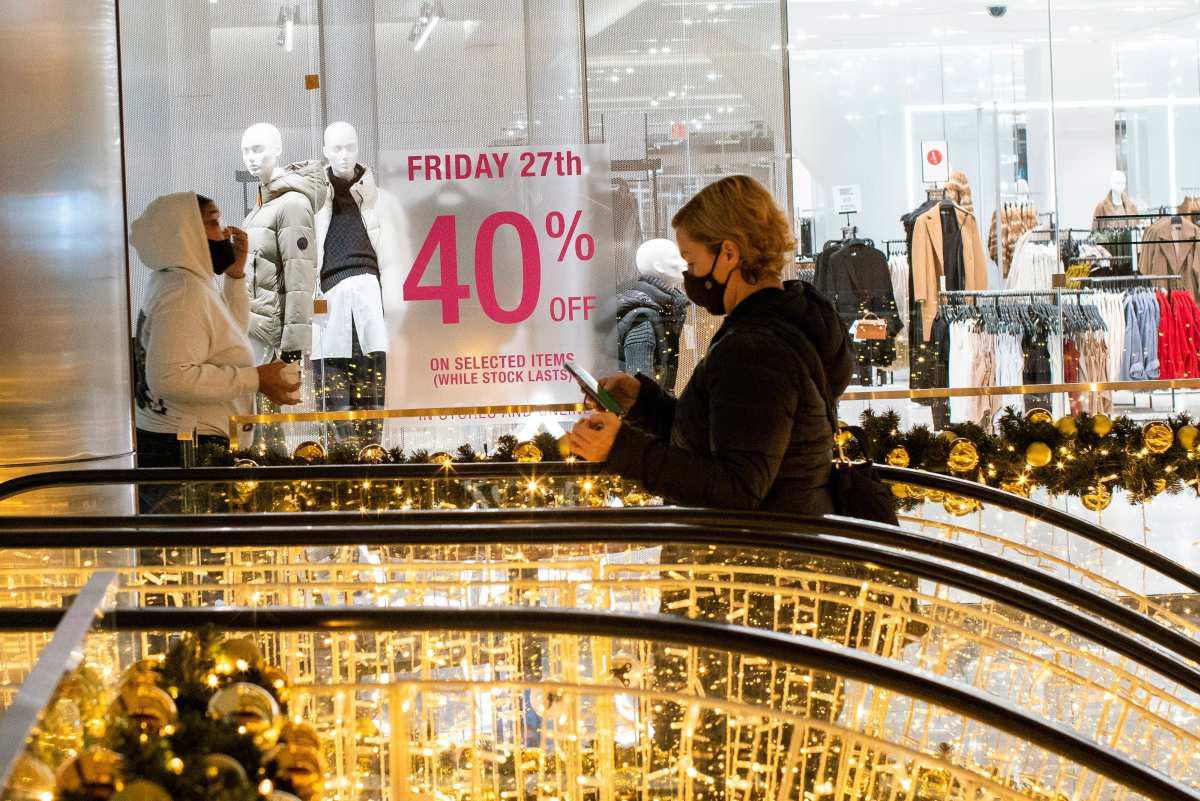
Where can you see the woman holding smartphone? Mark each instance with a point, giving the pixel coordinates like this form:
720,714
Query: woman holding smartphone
752,429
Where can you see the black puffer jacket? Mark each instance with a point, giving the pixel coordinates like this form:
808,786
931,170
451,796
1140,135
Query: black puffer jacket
751,430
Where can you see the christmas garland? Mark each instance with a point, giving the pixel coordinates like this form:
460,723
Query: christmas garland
1086,456
207,722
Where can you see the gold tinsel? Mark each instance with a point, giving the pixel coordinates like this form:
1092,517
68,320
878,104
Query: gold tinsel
1158,438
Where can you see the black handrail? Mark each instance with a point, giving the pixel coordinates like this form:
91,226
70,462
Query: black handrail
490,470
828,537
804,652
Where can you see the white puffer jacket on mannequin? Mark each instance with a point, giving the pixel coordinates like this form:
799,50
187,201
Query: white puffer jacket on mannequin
195,367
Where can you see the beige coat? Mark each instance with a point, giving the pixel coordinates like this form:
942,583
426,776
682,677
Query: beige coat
927,260
1105,208
1169,259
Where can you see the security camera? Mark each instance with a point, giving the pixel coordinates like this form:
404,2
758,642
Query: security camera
997,11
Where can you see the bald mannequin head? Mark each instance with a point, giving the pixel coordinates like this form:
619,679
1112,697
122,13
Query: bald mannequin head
261,148
341,149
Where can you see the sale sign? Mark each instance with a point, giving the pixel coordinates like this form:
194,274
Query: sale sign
935,165
501,261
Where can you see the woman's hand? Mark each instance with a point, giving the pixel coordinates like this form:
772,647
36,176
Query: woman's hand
592,437
623,387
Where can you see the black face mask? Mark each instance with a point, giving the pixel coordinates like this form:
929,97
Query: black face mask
706,292
221,253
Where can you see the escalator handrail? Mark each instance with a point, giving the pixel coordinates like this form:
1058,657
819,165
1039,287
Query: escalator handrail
799,651
812,536
1137,552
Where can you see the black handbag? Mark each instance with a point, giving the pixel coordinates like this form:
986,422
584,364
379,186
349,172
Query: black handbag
854,485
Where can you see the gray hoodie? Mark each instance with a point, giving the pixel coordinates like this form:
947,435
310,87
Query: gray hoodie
283,248
194,364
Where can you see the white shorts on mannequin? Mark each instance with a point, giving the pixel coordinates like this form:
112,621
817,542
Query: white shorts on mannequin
355,303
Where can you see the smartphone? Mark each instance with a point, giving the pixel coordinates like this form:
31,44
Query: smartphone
593,390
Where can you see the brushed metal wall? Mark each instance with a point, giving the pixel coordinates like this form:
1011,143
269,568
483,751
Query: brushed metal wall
64,325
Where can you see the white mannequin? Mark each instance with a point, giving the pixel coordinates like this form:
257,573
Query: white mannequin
262,146
660,258
341,149
1117,184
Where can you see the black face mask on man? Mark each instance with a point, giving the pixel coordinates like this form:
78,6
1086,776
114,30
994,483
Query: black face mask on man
706,292
221,253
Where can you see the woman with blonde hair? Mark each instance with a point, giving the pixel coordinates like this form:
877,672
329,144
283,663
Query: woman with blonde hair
752,428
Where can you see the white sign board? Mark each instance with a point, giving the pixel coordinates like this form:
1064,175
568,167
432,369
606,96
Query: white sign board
847,199
935,162
503,258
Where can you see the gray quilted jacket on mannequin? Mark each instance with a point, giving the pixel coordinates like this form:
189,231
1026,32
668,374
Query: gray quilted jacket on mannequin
283,273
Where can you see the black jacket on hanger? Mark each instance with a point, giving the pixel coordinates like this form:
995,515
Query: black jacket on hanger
854,275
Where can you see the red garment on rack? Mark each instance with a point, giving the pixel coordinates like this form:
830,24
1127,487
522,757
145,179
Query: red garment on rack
1167,338
1071,372
1187,317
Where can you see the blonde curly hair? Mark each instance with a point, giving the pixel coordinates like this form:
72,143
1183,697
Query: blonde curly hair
739,209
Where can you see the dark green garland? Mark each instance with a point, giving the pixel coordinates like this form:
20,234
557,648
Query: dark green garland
1079,462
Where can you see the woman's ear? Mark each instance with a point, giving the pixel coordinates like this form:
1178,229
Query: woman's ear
731,257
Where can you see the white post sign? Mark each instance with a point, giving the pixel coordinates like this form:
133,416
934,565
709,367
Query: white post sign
503,258
847,199
935,161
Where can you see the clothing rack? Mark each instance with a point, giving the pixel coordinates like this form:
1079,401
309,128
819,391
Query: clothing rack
895,247
1010,293
1130,278
1142,215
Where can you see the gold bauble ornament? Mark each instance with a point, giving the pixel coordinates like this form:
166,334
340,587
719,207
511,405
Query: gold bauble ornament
286,503
280,795
442,458
959,506
1038,454
935,496
1066,426
299,766
245,704
1098,498
309,451
949,436
147,707
1102,425
898,457
1187,436
245,487
1159,486
903,491
1158,438
301,735
95,772
528,452
1039,416
372,454
144,671
238,651
1016,488
30,780
278,681
564,447
223,772
142,790
964,457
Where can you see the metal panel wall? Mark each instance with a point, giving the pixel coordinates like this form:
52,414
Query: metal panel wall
64,364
